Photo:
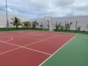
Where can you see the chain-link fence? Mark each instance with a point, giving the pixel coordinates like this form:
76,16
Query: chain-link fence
74,25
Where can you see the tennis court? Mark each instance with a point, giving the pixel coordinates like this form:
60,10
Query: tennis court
39,48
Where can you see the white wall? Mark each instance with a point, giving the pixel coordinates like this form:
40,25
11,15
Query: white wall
3,19
81,21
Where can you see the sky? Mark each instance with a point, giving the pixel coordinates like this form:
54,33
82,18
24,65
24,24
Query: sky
42,8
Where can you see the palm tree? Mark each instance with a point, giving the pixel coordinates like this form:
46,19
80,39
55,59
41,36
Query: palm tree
62,27
68,25
16,22
34,24
57,26
41,25
26,24
48,25
79,28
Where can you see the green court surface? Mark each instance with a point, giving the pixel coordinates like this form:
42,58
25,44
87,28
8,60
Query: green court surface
74,53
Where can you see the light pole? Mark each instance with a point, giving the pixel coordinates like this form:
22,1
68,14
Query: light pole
7,23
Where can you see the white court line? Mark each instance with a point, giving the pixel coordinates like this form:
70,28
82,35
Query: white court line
66,35
57,50
38,31
26,47
35,34
11,38
22,36
53,32
32,34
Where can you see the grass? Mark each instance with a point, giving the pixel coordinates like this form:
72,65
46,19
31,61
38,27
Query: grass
40,29
14,29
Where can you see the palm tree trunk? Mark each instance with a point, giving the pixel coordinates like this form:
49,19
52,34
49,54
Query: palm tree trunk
16,26
48,25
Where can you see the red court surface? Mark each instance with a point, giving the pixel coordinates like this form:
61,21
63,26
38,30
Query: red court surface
29,48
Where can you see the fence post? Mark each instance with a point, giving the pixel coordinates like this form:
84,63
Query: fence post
76,27
56,26
41,26
65,26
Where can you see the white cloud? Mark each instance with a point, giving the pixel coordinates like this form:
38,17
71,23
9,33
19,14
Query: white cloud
41,8
42,4
60,3
52,7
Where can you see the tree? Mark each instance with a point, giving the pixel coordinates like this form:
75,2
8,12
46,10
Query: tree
57,26
16,22
68,25
62,27
48,25
26,24
34,24
79,28
41,25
